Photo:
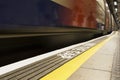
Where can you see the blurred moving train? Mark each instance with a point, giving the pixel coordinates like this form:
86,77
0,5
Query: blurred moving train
33,27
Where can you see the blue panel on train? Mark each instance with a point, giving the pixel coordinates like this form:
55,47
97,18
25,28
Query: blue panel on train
28,12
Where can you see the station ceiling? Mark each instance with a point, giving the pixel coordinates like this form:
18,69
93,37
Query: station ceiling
113,7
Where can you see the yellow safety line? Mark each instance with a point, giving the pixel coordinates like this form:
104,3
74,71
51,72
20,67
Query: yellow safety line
66,70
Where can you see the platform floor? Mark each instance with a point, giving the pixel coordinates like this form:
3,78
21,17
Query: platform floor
102,65
97,59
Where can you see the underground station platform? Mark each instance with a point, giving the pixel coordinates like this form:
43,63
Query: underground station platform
96,59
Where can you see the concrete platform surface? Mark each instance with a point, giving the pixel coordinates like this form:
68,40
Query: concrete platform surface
99,66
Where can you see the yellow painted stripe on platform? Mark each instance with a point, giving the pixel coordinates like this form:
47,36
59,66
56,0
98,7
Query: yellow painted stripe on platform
66,70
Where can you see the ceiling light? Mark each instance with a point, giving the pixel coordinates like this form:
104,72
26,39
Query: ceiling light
115,3
116,9
106,5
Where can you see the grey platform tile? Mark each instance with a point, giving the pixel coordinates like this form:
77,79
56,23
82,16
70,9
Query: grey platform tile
115,78
103,59
108,48
97,61
116,62
89,74
99,66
